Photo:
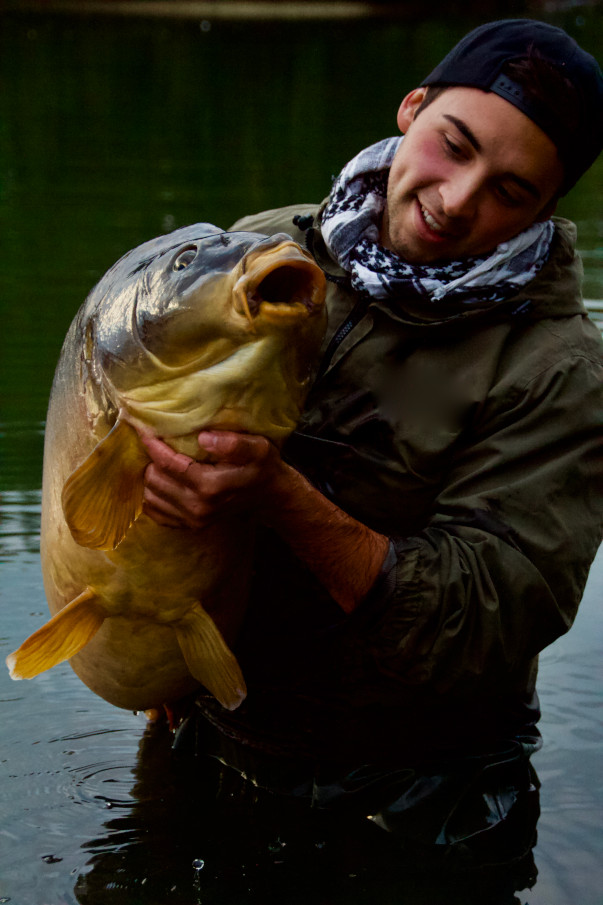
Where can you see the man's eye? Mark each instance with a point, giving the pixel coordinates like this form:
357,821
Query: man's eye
451,146
508,197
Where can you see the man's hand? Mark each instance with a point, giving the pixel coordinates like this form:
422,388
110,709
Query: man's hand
245,473
180,492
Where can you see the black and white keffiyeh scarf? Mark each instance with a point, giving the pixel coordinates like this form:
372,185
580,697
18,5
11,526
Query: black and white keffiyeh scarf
350,227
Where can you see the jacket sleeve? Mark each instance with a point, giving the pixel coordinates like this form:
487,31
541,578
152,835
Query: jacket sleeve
498,572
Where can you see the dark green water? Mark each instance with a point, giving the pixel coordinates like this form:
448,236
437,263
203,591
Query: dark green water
111,132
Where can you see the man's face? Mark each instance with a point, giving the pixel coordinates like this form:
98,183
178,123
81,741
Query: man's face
472,172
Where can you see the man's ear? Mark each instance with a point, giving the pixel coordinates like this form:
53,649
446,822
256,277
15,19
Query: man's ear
409,107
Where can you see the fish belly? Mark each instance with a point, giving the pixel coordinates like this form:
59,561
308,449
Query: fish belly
148,586
134,664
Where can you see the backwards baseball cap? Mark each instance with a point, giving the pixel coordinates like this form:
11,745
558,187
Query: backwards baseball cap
477,61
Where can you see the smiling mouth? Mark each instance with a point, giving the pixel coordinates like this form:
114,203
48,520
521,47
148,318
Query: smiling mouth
435,226
431,222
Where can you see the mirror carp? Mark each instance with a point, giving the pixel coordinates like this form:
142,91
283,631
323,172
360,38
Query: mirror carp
196,329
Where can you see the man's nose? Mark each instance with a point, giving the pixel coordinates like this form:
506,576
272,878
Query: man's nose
460,195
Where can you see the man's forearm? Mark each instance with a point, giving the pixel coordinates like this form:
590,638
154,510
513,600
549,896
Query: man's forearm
344,554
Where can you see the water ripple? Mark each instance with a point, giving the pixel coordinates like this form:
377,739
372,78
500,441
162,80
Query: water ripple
106,782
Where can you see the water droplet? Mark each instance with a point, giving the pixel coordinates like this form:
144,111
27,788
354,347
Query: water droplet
277,845
198,864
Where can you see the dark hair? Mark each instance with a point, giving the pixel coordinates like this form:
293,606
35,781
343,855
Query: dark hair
546,85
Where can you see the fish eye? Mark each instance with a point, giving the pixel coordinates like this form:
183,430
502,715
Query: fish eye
185,257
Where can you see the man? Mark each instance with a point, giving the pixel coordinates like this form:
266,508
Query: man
430,526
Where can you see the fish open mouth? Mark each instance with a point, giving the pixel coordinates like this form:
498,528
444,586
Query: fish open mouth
285,285
281,285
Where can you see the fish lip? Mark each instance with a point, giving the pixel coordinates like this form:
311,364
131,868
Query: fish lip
296,291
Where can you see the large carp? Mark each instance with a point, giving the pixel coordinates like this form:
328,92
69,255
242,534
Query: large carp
196,329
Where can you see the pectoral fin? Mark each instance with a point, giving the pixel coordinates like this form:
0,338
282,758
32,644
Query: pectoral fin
103,497
59,639
209,659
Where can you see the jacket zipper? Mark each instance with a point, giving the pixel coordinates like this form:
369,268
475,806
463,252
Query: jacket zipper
358,311
356,315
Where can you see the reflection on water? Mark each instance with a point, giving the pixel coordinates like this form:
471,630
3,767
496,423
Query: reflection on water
109,134
198,833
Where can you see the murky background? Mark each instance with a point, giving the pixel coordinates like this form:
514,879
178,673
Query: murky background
111,132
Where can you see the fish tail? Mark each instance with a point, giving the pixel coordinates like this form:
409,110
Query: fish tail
59,639
209,658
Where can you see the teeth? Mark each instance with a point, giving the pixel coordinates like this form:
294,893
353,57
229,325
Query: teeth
431,223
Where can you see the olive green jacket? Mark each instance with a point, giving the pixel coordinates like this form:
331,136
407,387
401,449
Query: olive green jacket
473,437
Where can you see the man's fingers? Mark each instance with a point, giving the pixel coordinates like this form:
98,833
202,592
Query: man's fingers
181,491
229,447
175,505
161,510
165,457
